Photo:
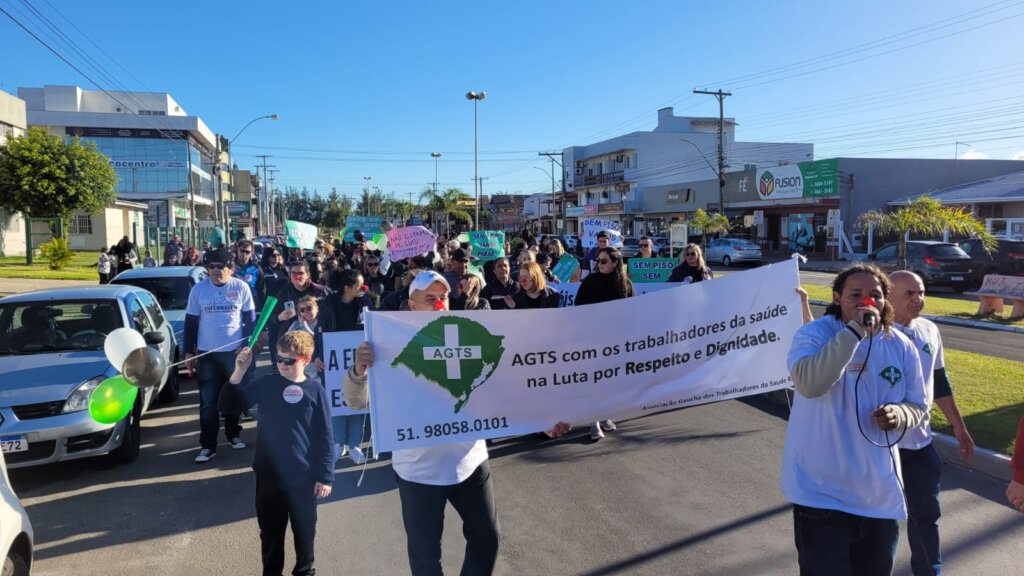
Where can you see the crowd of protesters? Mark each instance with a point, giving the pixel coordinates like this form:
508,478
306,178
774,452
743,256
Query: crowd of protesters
327,289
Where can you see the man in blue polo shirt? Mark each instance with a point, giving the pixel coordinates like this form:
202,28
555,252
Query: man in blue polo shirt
220,315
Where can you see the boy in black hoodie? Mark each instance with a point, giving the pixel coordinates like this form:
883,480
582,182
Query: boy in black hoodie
294,460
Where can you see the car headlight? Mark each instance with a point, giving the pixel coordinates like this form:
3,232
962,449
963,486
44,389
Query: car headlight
79,399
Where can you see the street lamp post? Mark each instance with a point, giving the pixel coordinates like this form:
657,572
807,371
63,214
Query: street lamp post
218,204
476,97
956,150
435,156
367,197
551,212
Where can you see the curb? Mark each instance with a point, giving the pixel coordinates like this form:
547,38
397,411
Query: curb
985,461
953,321
990,463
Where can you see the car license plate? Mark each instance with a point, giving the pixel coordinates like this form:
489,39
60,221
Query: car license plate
13,444
957,278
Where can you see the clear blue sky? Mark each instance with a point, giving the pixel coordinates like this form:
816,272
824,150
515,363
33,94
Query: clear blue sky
370,89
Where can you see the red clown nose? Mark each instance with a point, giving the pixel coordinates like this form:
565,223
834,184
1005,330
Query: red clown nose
438,304
868,301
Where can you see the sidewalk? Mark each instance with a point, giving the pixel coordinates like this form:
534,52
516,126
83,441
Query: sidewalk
10,286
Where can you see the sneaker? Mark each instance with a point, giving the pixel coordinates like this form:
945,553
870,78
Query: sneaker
245,416
608,425
356,455
236,443
204,455
595,431
340,451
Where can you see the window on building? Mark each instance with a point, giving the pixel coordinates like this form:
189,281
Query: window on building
81,224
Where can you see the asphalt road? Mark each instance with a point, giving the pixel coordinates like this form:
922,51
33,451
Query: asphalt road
693,491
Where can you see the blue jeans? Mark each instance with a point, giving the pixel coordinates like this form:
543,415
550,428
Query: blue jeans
212,373
348,430
834,543
921,471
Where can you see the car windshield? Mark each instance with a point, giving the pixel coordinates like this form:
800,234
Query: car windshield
54,326
170,292
946,251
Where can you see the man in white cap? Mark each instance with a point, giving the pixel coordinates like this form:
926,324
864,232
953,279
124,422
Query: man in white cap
429,478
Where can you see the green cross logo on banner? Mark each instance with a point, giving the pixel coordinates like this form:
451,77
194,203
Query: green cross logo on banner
927,349
892,375
457,354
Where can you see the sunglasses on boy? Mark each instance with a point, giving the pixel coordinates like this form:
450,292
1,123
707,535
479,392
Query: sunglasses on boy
288,361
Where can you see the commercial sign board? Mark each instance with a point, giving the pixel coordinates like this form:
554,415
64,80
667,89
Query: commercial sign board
681,196
239,211
803,180
147,164
610,208
590,209
575,211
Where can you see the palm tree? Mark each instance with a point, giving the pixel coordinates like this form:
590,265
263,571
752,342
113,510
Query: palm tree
452,202
709,224
926,216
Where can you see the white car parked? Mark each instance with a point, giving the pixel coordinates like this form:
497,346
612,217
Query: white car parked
16,538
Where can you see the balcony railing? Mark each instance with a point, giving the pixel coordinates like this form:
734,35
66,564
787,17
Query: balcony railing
609,178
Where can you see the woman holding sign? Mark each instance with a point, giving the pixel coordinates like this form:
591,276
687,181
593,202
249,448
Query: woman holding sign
557,253
609,281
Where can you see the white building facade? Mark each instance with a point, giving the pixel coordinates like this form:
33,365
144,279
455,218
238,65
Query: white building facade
640,179
163,157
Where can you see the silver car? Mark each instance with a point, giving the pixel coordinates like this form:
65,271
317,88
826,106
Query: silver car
731,251
51,361
171,286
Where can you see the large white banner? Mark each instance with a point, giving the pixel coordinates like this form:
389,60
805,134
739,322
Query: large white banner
449,377
339,355
568,290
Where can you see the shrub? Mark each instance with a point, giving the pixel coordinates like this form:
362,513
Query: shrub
56,253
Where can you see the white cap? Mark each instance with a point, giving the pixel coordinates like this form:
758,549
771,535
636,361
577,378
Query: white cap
424,279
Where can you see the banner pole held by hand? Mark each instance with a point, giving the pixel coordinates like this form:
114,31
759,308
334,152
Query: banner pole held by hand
268,309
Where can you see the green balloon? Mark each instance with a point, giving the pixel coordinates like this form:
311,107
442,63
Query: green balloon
112,400
379,238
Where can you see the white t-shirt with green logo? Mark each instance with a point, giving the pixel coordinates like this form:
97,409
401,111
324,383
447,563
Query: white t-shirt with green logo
925,335
444,465
826,463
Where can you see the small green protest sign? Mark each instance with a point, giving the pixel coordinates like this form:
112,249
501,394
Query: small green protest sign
646,270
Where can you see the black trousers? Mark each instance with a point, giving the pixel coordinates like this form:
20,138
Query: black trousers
275,505
423,515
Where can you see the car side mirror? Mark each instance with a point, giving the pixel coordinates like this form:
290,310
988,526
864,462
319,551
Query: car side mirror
154,337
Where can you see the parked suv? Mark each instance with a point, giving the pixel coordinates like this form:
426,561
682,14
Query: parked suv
1007,259
937,263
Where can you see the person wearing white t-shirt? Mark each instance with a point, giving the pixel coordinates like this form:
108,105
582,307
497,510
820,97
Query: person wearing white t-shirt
219,314
859,387
429,478
918,458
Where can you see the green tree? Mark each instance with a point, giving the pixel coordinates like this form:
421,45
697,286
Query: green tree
926,216
709,224
45,176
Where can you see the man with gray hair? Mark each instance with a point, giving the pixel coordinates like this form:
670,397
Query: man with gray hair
919,460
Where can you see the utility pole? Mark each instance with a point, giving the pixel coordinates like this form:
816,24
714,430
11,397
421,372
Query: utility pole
264,206
554,204
721,143
273,202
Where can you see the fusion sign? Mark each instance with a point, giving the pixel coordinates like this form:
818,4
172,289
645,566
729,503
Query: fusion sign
804,180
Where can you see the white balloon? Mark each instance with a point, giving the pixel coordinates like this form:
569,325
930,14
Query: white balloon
120,343
370,245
